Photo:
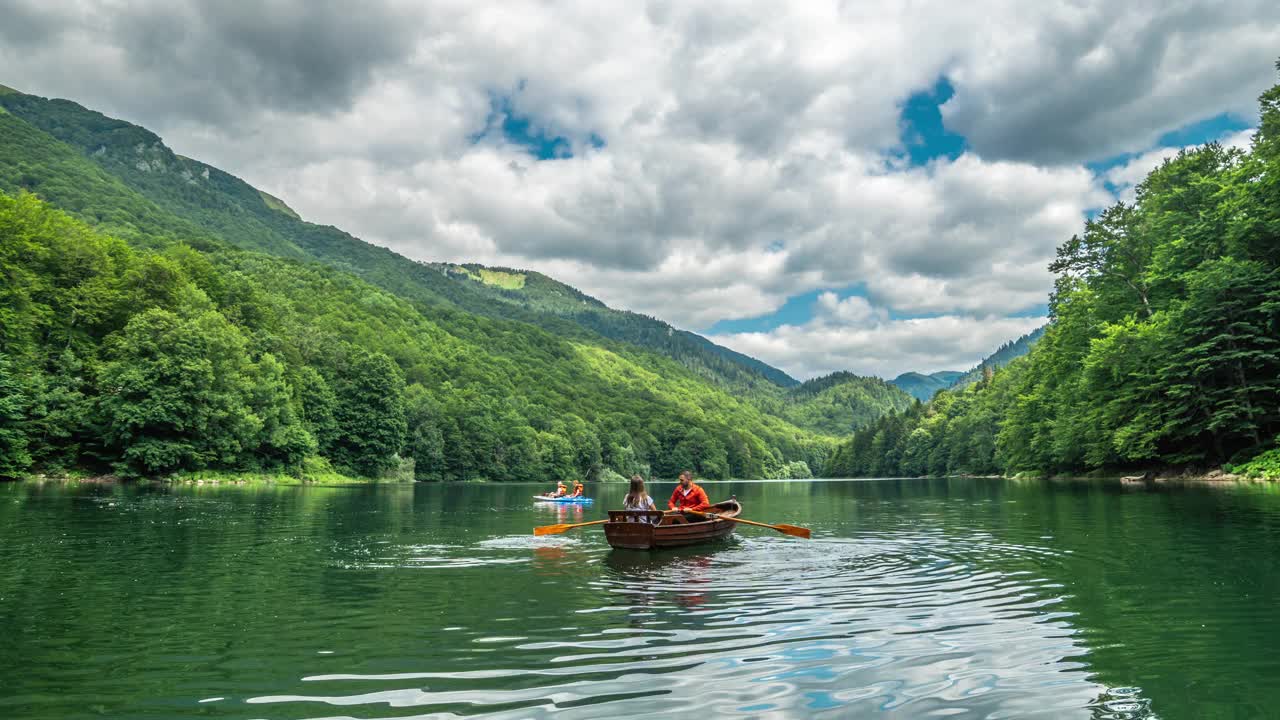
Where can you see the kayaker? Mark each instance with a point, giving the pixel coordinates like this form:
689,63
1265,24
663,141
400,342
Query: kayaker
688,496
561,490
578,487
638,499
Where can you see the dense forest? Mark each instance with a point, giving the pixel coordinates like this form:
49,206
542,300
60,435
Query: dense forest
54,146
152,361
160,316
1163,347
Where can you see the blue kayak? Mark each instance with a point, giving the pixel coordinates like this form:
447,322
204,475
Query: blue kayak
565,499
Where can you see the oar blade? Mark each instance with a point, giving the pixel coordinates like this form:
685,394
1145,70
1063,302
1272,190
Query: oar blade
550,529
794,530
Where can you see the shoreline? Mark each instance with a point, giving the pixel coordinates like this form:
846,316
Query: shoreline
1214,476
214,478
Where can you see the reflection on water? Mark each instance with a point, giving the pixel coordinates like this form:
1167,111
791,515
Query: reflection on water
914,599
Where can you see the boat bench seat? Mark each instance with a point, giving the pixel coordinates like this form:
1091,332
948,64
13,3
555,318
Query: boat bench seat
653,517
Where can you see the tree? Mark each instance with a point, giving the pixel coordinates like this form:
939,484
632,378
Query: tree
174,393
14,458
370,414
425,441
283,440
1224,376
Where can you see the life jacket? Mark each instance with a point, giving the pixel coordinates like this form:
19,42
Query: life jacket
693,499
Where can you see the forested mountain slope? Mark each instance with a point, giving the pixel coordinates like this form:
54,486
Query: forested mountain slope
178,351
229,208
840,403
149,361
1004,355
1163,346
923,387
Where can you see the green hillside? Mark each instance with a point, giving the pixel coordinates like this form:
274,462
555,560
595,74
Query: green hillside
160,360
841,402
544,298
231,209
924,387
207,339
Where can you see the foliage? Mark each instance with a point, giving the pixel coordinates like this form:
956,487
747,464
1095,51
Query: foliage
169,360
1164,345
222,333
176,196
839,403
1266,466
14,458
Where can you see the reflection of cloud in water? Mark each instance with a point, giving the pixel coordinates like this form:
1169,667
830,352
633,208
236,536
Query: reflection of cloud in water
906,624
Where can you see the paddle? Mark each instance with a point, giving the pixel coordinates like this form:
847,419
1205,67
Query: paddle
557,529
793,530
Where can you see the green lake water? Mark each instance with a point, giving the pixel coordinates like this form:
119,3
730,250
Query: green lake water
915,598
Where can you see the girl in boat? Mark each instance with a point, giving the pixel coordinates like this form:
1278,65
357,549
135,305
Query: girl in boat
637,498
561,490
578,487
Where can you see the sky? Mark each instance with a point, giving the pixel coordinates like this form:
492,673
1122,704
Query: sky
867,186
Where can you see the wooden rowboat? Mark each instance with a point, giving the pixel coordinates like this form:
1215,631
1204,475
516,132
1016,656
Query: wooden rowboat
636,530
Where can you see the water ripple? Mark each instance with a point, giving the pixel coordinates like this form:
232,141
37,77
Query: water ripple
908,624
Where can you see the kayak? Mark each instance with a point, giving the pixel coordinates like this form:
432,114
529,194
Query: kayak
629,529
565,499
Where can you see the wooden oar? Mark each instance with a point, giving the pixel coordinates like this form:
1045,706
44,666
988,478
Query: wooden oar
557,529
793,530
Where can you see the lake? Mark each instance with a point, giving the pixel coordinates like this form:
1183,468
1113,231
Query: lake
915,598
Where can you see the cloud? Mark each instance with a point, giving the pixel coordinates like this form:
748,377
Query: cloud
851,335
751,151
1083,81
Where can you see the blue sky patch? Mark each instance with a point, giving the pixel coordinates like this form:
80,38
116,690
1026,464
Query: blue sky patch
1197,133
797,310
524,130
924,136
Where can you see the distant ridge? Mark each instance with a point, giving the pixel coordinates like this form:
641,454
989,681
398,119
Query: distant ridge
923,387
1001,357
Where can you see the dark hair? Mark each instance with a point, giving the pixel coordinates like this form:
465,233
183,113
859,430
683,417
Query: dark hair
636,491
686,472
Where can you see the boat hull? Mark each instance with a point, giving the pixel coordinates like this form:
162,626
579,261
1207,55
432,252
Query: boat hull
628,533
564,500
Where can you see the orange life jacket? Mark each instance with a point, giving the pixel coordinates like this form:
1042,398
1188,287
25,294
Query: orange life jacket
693,499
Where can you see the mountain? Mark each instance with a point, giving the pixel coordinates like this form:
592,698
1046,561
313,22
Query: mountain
1001,357
298,348
547,302
224,206
840,403
924,387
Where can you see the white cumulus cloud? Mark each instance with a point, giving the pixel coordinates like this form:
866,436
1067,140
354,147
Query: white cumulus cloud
725,155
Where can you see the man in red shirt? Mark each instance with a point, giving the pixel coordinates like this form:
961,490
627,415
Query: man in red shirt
688,496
